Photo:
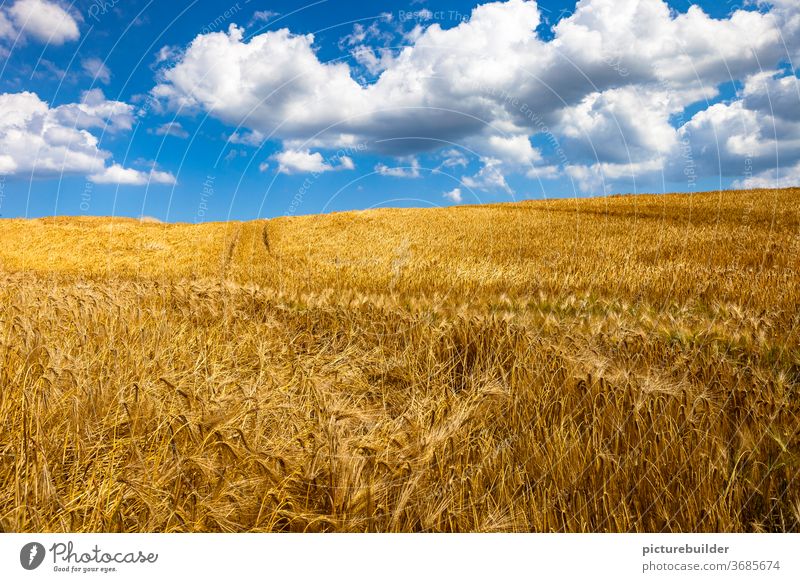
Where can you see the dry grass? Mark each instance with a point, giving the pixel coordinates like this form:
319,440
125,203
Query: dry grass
618,364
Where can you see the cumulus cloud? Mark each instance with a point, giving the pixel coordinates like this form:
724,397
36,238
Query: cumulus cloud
489,177
34,139
515,149
408,171
45,21
307,162
251,138
772,92
454,195
374,61
607,87
116,174
38,140
97,70
619,125
453,159
95,111
273,81
598,178
172,128
166,54
772,178
754,135
549,172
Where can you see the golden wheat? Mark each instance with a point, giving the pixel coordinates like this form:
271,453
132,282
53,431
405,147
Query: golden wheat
614,364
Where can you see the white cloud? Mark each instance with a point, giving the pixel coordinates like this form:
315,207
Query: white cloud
166,54
516,149
453,159
646,40
300,161
362,33
7,30
358,35
489,177
172,128
773,93
251,138
550,172
751,135
95,111
454,195
619,125
373,60
37,140
304,162
234,153
773,178
97,70
46,21
272,82
413,35
34,140
408,171
263,16
116,174
588,178
605,88
598,178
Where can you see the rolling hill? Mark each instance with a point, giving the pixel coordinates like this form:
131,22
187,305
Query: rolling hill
629,363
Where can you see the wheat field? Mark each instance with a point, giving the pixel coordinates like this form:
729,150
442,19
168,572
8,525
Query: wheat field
629,363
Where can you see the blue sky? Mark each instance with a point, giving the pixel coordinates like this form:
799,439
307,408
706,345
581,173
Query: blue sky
221,110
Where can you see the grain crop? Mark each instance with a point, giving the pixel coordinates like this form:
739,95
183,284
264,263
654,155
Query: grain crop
626,363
